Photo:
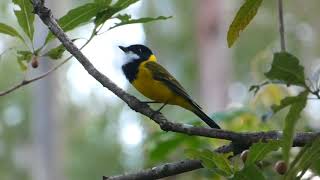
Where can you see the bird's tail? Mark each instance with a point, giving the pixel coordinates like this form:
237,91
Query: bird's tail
206,118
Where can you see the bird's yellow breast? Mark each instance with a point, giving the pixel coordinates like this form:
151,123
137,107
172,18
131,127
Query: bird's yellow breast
156,90
150,87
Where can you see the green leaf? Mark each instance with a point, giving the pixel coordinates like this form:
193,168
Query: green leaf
107,13
259,150
212,161
164,147
290,122
56,53
5,29
285,67
25,16
206,161
23,57
306,157
248,173
221,162
126,19
243,17
103,2
287,101
77,17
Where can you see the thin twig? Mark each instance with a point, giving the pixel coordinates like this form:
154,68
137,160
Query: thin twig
26,82
281,26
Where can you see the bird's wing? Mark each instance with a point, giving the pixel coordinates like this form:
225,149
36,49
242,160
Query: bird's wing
161,74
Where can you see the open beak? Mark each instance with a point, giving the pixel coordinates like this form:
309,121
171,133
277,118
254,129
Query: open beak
124,49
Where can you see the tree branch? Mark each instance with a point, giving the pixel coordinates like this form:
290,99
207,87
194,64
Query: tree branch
25,82
238,139
168,169
281,26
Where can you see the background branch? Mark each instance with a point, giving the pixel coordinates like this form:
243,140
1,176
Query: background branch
26,82
168,169
281,26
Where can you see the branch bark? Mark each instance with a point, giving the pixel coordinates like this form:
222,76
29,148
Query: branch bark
168,169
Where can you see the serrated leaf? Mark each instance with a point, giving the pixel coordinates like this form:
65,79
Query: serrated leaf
126,19
290,122
248,173
23,57
77,17
25,16
306,157
107,13
212,161
6,29
56,53
285,67
259,150
243,17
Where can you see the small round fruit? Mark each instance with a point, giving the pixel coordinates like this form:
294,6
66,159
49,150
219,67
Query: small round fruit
244,155
281,167
34,62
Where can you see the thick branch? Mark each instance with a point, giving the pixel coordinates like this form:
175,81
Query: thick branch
168,169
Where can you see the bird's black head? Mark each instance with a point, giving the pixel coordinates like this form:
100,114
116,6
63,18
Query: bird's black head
138,52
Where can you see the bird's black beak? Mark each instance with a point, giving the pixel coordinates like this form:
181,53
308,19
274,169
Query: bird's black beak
124,49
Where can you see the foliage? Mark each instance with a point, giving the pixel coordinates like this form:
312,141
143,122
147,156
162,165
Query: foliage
25,16
286,68
258,151
97,12
126,19
245,14
216,162
6,29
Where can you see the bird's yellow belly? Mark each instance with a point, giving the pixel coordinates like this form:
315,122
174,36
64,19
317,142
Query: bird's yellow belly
152,89
157,90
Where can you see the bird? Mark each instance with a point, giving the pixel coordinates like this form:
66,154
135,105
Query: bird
153,81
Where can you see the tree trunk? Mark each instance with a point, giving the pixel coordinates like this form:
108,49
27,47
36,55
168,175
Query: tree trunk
215,65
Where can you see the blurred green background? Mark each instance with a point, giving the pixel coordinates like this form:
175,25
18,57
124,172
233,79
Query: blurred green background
67,126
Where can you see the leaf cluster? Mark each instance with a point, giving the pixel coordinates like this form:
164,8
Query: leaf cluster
97,12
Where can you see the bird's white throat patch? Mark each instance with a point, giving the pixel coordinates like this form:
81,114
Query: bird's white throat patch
131,56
